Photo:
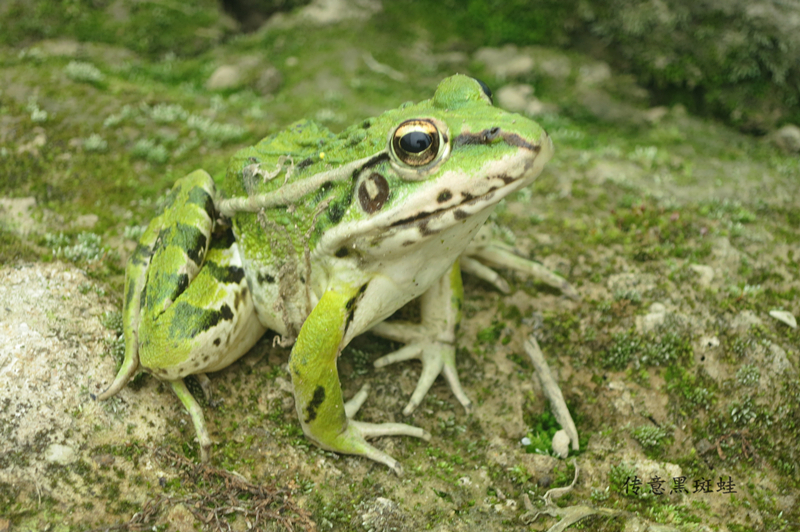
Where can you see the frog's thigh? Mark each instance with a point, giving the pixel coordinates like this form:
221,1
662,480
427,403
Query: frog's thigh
210,325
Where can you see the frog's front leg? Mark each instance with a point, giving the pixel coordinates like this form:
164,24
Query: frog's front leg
433,340
317,391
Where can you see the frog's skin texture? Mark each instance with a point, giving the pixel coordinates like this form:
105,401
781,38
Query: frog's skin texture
321,237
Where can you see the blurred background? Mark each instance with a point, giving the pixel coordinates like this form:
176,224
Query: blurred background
672,205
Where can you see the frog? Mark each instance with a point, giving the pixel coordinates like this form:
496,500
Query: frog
320,237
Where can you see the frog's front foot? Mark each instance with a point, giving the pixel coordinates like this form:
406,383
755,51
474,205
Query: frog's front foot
438,358
432,341
324,416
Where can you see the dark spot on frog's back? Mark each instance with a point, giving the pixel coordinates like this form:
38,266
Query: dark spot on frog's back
141,255
314,404
162,288
196,320
225,274
222,239
337,209
444,195
342,252
322,192
199,196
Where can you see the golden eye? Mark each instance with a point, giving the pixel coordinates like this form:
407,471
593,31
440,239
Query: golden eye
416,142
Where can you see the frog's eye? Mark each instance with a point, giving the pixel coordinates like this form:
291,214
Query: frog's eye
416,142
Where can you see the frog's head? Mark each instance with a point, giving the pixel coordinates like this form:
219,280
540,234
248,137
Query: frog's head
444,163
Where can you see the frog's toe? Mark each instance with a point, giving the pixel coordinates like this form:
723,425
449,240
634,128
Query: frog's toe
352,440
437,358
352,406
376,430
473,267
409,352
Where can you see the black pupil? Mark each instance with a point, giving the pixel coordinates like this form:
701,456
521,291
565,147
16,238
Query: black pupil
415,142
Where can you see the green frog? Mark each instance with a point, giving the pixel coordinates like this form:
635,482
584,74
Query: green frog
320,237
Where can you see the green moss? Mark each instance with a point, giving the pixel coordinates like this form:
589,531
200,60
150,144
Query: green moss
691,390
147,28
622,350
13,249
652,438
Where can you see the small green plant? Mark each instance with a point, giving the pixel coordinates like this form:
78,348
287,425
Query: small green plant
38,114
166,113
748,375
632,295
621,351
148,149
619,476
743,412
95,143
88,247
84,72
650,437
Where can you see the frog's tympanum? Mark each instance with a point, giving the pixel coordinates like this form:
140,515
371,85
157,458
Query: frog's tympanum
320,237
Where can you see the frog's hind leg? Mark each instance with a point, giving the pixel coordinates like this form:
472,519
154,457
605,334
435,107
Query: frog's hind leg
184,229
135,279
208,327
